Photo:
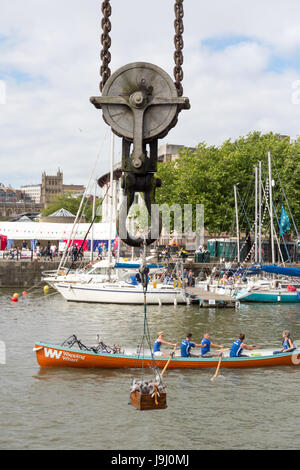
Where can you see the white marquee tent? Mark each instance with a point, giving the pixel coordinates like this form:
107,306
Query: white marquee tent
53,231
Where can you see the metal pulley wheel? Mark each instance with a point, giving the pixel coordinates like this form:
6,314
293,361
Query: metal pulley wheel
142,85
140,103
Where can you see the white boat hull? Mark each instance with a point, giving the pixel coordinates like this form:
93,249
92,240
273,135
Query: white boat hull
112,294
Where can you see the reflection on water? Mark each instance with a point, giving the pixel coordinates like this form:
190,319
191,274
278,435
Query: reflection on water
239,409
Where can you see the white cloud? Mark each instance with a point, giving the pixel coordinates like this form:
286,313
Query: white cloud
49,59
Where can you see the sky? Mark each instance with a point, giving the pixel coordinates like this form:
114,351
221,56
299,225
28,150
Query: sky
241,73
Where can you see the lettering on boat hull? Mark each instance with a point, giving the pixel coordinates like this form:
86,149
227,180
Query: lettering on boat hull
64,355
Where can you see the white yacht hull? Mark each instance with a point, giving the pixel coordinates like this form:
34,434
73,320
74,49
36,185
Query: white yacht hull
111,293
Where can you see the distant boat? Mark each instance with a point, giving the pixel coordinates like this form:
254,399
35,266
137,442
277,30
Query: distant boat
271,295
100,271
282,270
115,284
121,293
278,291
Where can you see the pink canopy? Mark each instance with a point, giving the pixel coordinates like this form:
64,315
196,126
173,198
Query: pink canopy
3,242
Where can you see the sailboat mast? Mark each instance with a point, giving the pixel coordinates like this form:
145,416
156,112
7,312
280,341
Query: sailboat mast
259,215
256,214
93,218
112,151
237,225
271,208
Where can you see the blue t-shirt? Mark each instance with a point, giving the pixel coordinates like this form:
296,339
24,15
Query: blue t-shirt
186,346
156,346
206,343
285,344
236,349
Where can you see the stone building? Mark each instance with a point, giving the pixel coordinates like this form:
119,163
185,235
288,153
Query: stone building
52,185
33,198
14,201
33,191
170,152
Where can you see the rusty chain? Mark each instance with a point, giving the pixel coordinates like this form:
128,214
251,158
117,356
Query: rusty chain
178,42
106,43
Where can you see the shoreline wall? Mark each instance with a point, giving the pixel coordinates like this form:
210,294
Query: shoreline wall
24,273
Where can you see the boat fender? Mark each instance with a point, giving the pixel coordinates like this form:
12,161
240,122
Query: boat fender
176,284
38,349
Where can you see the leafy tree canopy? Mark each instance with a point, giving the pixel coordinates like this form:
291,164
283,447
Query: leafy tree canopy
207,176
69,202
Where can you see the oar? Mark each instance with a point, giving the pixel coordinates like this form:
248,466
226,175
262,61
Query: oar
171,355
219,364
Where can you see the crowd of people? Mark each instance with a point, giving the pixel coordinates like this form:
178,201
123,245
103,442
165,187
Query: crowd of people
46,253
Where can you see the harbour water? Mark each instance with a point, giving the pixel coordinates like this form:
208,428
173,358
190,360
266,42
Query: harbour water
88,409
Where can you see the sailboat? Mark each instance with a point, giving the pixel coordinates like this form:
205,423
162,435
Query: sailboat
282,290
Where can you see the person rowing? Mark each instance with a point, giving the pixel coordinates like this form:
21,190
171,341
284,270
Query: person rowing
206,344
157,344
187,345
238,346
287,343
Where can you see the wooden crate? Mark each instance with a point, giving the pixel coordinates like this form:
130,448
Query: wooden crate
144,401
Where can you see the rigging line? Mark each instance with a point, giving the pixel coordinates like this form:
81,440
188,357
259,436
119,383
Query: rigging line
85,237
286,200
81,203
250,227
249,194
278,223
251,230
269,227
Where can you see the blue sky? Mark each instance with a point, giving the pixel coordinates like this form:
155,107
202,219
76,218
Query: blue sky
240,71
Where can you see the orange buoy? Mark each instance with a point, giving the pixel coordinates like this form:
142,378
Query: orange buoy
24,292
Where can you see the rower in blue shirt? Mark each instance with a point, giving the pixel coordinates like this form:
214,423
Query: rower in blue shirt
187,345
157,344
206,344
287,343
238,345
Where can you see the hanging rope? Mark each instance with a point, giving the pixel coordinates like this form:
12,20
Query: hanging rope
146,340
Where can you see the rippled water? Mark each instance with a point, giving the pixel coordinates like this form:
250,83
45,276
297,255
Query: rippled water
88,409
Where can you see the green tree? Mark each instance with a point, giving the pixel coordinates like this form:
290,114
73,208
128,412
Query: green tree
207,176
70,203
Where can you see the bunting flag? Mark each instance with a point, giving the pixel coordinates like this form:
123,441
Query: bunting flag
284,222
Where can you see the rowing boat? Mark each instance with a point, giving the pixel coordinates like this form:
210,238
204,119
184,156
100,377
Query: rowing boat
49,355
